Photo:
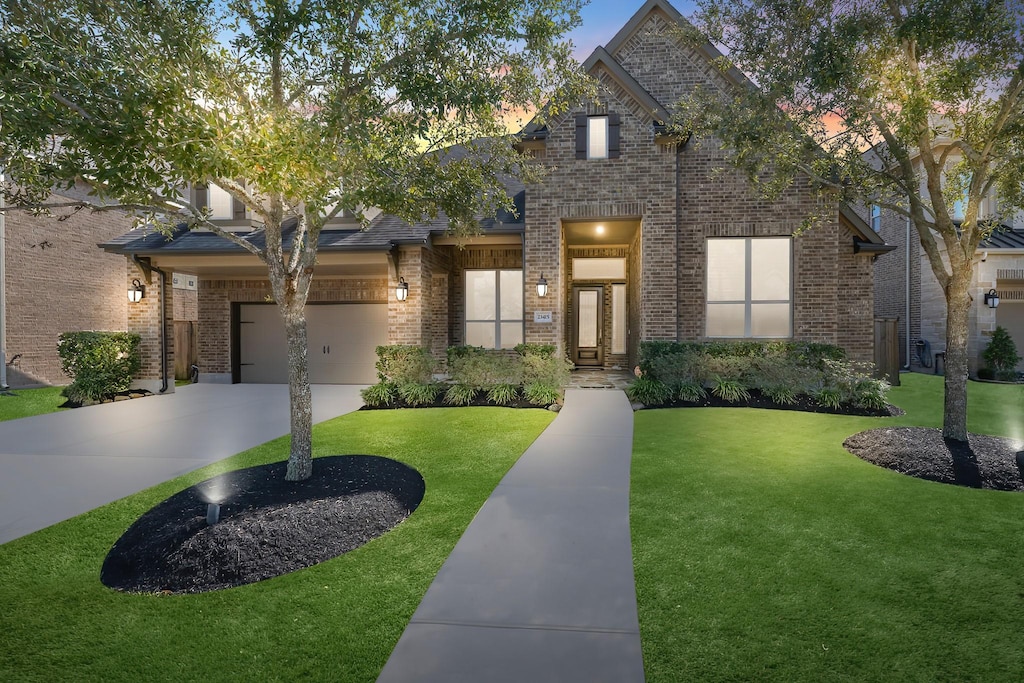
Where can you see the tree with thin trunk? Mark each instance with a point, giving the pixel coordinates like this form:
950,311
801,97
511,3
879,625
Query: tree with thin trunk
299,109
912,106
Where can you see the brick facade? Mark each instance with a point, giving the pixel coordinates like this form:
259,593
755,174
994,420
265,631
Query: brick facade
145,318
58,281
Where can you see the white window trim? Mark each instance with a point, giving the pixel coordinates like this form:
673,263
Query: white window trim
748,287
498,320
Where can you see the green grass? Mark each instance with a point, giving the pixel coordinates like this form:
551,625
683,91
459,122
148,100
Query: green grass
336,621
28,402
764,551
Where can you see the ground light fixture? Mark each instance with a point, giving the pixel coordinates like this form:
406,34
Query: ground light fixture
992,298
402,290
542,286
136,292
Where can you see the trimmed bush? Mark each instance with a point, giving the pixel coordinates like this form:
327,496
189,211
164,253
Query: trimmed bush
417,394
459,395
379,395
100,364
540,394
1001,356
399,364
542,350
649,391
486,369
503,394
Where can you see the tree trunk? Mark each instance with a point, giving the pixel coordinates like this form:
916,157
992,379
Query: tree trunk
958,308
300,459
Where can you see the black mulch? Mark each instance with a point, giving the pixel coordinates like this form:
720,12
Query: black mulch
268,526
985,462
803,403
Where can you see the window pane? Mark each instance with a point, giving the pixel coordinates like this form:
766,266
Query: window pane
587,318
480,296
511,295
480,334
618,318
597,137
598,268
511,334
726,270
769,270
220,202
725,320
769,320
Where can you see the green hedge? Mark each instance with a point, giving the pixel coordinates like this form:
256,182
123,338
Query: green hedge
100,364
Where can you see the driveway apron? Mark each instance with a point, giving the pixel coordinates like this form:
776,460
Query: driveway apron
56,466
540,586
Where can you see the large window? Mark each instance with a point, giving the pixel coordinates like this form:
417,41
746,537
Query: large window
749,291
494,308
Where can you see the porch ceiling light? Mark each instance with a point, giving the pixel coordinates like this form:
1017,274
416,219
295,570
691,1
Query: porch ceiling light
402,290
992,298
136,292
599,230
542,286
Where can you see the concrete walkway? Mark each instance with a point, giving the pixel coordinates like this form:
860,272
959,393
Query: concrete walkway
540,587
53,467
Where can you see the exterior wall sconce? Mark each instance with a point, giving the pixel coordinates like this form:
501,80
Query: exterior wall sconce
402,290
542,286
992,298
136,292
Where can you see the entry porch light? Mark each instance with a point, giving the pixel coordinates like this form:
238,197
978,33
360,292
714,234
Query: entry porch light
542,286
136,292
992,298
402,290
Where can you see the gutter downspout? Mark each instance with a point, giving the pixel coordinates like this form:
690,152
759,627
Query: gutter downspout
3,292
163,318
907,279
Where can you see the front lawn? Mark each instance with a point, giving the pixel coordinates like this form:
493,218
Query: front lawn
336,621
28,402
764,551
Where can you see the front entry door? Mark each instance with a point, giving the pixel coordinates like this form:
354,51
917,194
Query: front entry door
588,323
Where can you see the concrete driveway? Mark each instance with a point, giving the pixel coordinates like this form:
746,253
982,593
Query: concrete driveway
53,467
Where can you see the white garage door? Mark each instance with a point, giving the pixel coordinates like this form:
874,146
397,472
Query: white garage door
343,339
1011,316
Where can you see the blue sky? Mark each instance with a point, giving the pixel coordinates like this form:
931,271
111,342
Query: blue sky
602,19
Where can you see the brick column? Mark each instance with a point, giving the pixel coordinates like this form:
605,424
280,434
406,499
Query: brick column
542,248
409,320
145,318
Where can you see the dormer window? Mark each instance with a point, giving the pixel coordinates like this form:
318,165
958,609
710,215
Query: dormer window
597,137
876,217
221,203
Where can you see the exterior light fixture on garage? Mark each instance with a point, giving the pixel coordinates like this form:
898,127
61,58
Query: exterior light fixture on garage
542,286
402,290
992,298
136,292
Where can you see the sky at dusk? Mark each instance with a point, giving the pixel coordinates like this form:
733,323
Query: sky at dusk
602,19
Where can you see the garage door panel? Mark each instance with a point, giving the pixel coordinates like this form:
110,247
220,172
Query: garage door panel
342,341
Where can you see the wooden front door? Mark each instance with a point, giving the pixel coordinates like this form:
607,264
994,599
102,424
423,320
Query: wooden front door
587,325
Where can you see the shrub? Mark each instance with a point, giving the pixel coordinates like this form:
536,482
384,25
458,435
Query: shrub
550,370
380,394
503,394
1001,356
854,384
541,350
829,398
100,364
729,390
679,368
460,395
455,353
692,392
649,391
487,369
781,394
417,394
731,368
540,394
400,364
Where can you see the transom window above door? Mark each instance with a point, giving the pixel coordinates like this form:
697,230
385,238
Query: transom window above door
494,308
749,287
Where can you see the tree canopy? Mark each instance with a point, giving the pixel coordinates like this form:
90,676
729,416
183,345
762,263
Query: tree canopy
297,108
915,106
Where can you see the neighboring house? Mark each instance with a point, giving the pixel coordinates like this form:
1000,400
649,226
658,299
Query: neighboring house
634,234
999,266
55,281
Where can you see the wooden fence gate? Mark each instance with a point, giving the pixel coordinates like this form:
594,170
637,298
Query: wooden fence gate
186,348
887,350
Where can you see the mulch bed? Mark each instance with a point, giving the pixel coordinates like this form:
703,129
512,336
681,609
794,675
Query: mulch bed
479,400
268,526
803,403
985,462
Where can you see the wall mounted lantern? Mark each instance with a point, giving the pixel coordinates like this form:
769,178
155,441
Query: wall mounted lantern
136,292
992,298
542,286
402,290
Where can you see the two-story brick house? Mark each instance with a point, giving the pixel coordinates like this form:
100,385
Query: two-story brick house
631,236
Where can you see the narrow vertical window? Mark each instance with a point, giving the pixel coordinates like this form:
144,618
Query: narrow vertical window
597,137
618,318
876,217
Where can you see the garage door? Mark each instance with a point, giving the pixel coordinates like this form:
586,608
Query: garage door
1010,315
343,339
